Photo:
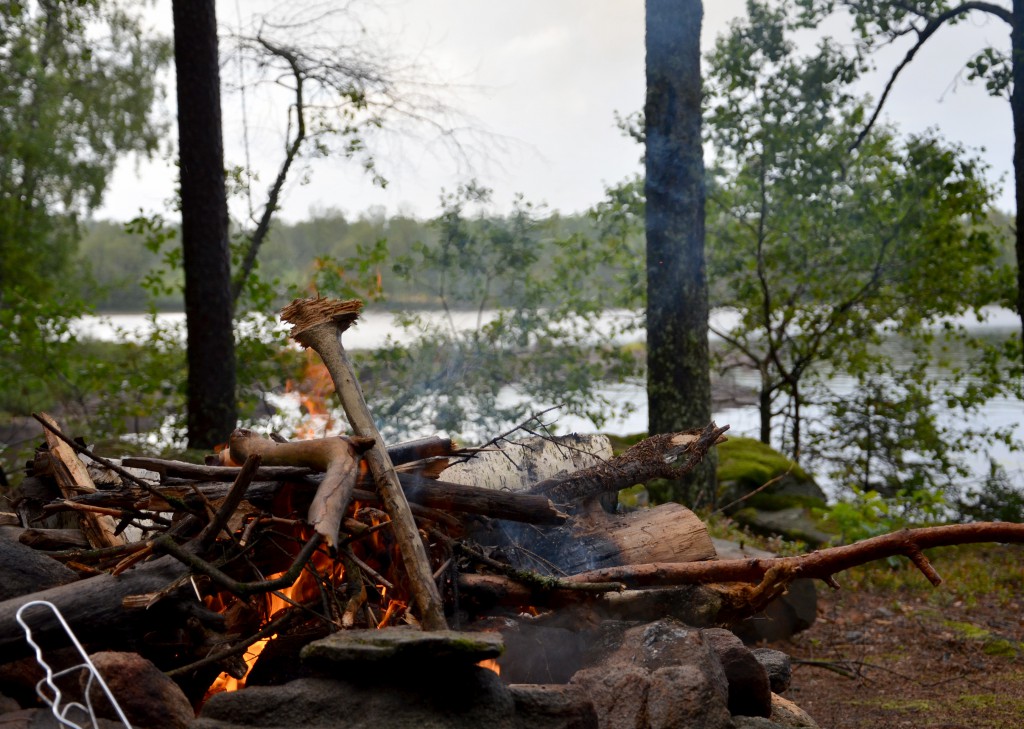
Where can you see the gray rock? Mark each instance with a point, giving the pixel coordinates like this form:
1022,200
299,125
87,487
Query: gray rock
749,689
662,674
778,665
451,699
795,523
391,648
685,695
549,706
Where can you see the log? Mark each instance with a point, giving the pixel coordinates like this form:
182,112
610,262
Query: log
517,465
667,533
452,497
401,453
73,478
670,456
93,608
53,539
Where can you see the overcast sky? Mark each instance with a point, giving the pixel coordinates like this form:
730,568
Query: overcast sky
545,78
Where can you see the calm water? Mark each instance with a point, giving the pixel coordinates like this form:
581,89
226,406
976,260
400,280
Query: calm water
374,328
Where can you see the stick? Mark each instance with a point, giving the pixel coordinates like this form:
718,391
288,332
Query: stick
818,565
319,324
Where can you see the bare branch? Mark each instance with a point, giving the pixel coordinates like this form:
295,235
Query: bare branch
933,24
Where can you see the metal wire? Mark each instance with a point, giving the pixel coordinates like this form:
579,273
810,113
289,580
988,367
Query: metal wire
47,688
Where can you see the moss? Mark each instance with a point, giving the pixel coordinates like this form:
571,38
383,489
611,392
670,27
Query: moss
979,701
778,502
896,704
751,463
992,645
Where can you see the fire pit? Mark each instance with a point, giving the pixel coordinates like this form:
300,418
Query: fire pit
394,585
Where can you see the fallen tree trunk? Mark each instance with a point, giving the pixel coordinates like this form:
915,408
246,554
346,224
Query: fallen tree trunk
94,610
670,456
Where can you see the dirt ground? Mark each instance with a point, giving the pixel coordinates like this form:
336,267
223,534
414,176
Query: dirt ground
898,656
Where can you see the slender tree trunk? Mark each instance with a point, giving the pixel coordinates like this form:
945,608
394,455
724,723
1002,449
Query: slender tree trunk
1017,111
765,411
204,226
678,370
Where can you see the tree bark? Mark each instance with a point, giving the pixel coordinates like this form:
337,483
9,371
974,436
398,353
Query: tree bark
1017,112
204,226
678,374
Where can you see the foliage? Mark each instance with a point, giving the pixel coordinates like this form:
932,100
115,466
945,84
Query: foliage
827,253
862,514
521,326
997,498
77,91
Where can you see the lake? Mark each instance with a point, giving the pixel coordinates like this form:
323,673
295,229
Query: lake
375,327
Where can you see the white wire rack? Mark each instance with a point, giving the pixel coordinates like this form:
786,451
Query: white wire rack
47,688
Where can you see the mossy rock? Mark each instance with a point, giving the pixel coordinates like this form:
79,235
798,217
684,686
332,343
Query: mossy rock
746,464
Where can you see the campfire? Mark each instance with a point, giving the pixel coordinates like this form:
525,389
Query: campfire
276,559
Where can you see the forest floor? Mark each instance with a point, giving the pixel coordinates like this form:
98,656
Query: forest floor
888,650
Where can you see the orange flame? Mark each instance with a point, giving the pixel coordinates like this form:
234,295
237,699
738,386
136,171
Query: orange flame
313,389
490,664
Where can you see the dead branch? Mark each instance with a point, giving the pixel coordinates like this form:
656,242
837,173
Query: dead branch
319,324
822,564
337,457
73,478
671,456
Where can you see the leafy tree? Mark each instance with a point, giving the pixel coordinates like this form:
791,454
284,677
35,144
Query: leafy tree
828,254
77,91
678,373
883,22
522,326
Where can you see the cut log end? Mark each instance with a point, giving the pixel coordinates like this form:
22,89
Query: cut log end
305,314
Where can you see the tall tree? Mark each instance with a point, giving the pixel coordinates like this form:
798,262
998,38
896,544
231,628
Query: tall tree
78,82
678,376
883,22
204,226
825,255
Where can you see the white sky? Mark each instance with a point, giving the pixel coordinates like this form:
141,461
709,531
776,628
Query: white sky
546,77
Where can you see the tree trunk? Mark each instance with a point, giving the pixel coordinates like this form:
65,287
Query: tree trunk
204,226
1017,110
765,411
678,375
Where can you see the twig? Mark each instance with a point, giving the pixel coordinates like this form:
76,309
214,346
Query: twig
374,574
231,502
167,545
767,484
